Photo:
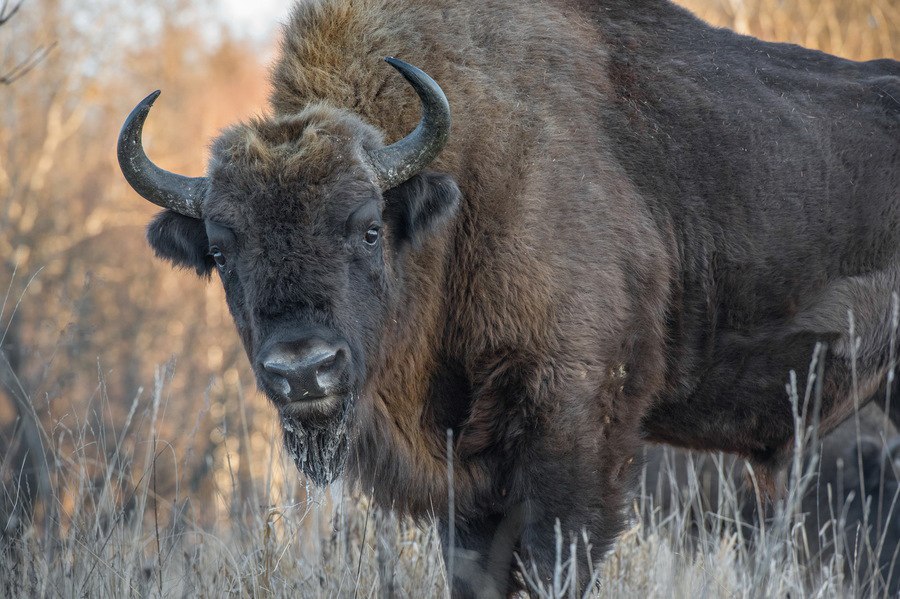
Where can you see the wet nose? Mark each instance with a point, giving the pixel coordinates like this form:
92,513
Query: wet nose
310,369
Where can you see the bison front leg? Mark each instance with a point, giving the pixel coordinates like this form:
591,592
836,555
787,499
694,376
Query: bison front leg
481,564
572,528
563,452
581,480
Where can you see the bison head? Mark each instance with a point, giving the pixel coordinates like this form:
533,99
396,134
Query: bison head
307,219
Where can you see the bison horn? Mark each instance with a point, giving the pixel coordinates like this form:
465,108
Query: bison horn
175,192
399,161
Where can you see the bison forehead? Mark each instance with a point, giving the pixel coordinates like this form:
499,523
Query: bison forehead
319,146
278,207
270,165
314,142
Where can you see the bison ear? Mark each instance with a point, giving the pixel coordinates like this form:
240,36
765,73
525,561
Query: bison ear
181,240
421,205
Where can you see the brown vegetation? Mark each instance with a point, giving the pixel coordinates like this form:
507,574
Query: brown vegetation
89,315
857,29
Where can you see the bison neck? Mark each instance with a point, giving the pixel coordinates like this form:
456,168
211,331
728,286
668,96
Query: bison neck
414,396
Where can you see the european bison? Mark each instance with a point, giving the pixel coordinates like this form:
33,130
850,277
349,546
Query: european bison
636,227
851,503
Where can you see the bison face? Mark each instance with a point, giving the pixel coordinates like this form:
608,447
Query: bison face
308,220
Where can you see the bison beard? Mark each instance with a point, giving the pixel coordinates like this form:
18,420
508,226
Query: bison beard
320,449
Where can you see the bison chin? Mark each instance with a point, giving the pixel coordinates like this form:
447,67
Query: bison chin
319,449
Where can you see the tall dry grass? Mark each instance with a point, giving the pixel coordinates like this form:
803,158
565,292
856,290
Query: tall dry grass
116,534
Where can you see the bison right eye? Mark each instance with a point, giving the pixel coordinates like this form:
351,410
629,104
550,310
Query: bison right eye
217,256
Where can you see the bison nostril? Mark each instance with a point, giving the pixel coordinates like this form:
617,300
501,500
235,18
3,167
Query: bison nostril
326,364
328,371
311,371
279,367
279,375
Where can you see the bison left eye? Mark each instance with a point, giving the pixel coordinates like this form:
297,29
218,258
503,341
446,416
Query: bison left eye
217,256
372,235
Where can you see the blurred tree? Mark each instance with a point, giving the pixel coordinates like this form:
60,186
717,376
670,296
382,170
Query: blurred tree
20,69
87,305
28,444
856,29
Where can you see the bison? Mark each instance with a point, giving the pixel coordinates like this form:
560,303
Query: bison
850,503
635,228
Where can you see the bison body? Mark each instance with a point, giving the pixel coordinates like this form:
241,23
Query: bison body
637,226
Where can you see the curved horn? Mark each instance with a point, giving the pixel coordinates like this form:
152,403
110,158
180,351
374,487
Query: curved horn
399,161
175,192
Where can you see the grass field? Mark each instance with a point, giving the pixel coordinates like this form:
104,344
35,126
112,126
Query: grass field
116,537
107,531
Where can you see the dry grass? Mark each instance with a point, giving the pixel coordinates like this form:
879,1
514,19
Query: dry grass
116,537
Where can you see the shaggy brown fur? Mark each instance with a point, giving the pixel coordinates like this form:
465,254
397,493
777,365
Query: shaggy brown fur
658,221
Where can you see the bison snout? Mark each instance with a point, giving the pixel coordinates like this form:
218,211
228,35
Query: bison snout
305,370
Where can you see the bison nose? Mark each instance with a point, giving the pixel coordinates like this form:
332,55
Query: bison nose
309,370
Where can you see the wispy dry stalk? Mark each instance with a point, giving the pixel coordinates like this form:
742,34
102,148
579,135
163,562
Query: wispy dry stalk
27,64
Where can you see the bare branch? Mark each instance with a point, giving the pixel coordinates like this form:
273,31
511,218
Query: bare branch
7,13
32,60
24,67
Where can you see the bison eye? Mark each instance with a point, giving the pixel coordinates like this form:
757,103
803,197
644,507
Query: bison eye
372,235
217,256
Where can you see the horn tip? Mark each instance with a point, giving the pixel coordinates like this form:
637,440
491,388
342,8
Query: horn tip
150,99
396,63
